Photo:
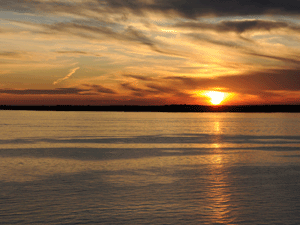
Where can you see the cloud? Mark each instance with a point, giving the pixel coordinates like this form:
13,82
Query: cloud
68,76
284,59
153,87
194,9
265,85
100,89
57,91
21,6
170,8
190,83
10,54
233,53
74,52
136,91
133,35
213,40
161,89
103,34
249,49
272,80
138,77
81,30
239,27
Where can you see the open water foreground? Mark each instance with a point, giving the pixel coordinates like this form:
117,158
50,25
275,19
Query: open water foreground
149,168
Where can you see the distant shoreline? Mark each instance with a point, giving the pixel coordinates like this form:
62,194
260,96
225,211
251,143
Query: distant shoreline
162,108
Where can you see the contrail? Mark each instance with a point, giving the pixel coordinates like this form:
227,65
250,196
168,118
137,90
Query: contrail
68,76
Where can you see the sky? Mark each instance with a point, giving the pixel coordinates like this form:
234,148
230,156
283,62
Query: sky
149,52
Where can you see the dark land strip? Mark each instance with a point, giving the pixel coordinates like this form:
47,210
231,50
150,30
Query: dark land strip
161,108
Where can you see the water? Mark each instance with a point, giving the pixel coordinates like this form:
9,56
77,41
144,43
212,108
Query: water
149,168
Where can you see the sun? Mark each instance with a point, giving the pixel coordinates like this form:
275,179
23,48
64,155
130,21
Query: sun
216,97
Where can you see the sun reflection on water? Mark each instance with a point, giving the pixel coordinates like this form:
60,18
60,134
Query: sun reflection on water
217,126
218,189
218,192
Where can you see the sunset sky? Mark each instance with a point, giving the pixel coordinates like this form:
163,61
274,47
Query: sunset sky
149,52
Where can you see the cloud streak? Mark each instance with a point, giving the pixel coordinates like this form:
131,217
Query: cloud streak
66,77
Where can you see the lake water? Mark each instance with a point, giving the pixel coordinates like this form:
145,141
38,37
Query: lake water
149,168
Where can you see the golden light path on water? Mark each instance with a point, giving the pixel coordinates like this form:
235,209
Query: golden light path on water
219,186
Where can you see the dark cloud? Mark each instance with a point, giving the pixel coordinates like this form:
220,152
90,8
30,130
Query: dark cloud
190,82
254,82
78,53
161,89
72,52
21,6
273,80
137,90
196,8
100,89
154,89
212,40
139,77
135,35
169,89
254,25
188,9
57,91
9,54
12,54
284,59
80,30
239,26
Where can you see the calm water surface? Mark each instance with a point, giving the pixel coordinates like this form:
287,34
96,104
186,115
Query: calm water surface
149,168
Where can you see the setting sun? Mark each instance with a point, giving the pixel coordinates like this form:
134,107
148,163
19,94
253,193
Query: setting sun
216,97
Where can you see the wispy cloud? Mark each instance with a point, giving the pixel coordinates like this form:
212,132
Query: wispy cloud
66,77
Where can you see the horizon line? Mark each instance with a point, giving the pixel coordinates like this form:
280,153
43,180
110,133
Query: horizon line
159,108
